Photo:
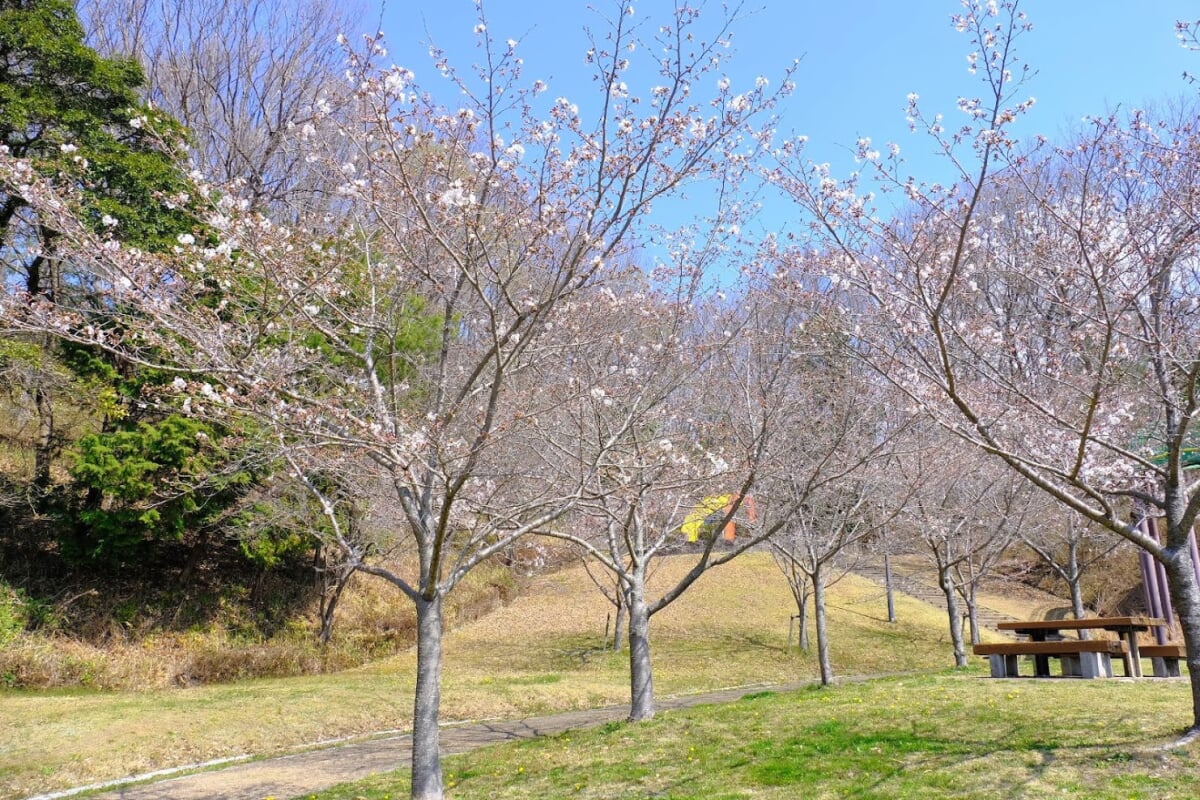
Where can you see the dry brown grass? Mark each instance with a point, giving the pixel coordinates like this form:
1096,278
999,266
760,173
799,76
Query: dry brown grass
373,621
545,649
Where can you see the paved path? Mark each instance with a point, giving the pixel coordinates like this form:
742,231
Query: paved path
314,770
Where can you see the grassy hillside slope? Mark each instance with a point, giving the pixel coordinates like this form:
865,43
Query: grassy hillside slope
537,654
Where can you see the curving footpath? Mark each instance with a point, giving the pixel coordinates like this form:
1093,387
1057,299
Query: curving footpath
315,770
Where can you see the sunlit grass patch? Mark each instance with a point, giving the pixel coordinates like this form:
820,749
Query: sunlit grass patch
925,737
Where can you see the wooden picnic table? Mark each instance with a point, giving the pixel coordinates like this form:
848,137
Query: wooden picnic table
1041,630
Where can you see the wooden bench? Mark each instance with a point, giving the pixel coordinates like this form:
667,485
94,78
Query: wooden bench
1091,658
1165,658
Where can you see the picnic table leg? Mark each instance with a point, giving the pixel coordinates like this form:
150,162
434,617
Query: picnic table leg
1041,666
1095,665
1134,658
1127,663
1165,667
1072,666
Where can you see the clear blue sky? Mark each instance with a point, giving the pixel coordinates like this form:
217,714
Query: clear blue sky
859,58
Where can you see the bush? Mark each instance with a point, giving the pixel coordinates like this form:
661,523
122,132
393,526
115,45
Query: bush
12,614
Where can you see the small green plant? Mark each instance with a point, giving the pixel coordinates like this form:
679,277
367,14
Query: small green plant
12,614
20,612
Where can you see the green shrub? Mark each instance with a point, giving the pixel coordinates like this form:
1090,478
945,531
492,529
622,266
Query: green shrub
12,614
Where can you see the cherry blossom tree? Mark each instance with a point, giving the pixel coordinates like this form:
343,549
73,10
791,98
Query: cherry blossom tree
1010,511
701,419
400,344
822,480
650,440
954,508
1058,335
812,548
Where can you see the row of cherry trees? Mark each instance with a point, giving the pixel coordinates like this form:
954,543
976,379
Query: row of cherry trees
468,340
1042,305
479,335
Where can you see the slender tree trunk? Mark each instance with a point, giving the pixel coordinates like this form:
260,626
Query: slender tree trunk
972,616
1077,609
956,637
641,678
802,616
426,760
887,580
620,624
43,447
1185,596
329,604
1075,581
43,451
798,585
818,579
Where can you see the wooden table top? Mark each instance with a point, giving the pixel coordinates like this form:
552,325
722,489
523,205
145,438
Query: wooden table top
1106,623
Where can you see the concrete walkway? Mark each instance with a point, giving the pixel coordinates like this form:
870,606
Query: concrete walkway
315,770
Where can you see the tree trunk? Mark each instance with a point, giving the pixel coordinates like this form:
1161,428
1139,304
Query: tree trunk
822,630
1077,609
972,616
620,624
426,760
1075,581
802,617
956,637
887,580
43,448
641,678
1184,586
329,603
798,585
43,452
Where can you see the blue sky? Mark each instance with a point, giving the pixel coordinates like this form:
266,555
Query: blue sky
859,58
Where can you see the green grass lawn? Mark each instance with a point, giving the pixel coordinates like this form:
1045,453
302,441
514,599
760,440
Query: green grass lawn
540,654
940,736
536,655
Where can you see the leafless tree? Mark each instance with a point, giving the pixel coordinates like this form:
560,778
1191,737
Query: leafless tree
821,481
242,75
954,509
659,435
710,434
812,549
1071,547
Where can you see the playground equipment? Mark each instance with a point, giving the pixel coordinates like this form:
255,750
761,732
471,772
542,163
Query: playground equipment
1154,579
712,511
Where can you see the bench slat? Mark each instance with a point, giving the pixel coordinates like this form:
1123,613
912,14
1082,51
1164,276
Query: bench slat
1064,647
1168,650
